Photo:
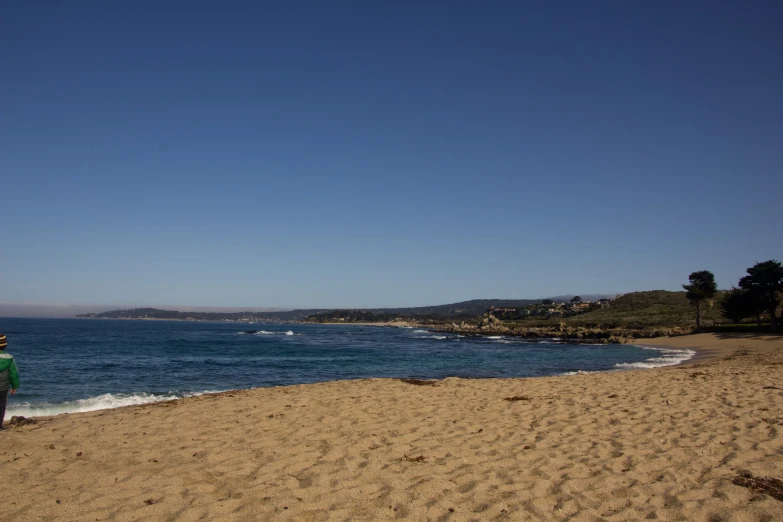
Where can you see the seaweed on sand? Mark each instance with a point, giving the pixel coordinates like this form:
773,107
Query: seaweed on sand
18,420
420,458
768,485
419,382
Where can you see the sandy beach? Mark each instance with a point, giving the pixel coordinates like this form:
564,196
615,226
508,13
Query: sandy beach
660,444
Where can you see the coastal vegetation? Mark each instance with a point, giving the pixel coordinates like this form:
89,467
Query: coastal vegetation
351,316
650,313
764,284
700,291
640,310
738,304
757,297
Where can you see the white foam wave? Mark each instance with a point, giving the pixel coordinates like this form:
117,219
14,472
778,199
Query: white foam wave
579,372
99,402
494,337
264,332
668,357
420,331
440,337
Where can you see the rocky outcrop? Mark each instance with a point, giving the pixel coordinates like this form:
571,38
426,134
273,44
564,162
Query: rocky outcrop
561,332
488,324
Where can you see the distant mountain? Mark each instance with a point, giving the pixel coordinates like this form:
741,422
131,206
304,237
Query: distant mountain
155,313
476,306
57,310
465,308
454,310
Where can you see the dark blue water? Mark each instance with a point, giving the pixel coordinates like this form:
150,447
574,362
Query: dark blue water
78,365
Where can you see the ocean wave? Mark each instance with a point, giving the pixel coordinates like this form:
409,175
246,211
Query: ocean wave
494,337
419,331
99,402
580,372
264,332
668,357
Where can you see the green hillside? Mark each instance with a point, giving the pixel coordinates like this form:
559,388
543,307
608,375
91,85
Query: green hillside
462,309
645,309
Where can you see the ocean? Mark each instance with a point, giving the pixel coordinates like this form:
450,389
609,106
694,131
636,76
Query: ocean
72,365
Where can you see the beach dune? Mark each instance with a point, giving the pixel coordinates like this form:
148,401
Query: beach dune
660,444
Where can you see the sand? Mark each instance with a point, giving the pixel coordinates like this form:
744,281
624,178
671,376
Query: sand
716,346
661,444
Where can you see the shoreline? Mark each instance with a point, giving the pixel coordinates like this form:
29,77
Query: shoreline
659,443
88,404
710,347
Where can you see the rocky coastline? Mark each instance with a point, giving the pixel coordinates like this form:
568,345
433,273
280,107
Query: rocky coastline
562,333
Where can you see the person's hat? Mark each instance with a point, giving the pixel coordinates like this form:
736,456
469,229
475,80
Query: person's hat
3,342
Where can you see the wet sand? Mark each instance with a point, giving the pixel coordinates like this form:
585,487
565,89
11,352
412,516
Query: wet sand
660,444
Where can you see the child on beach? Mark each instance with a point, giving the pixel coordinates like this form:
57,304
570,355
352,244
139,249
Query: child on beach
9,376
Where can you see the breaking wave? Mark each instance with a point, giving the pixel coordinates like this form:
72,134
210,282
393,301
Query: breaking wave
263,332
667,357
99,402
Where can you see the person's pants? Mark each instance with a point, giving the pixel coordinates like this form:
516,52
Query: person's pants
3,399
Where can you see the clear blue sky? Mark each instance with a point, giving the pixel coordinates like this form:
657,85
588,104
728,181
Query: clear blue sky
332,154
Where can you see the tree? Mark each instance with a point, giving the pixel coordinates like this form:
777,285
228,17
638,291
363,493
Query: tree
738,304
576,300
547,302
701,290
765,281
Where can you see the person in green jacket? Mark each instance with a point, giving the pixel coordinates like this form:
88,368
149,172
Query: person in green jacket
9,376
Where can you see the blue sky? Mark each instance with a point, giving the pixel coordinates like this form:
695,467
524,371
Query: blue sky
362,154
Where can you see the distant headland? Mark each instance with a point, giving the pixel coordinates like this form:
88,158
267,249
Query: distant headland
593,318
438,313
588,319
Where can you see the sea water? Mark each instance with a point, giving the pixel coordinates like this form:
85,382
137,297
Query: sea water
71,365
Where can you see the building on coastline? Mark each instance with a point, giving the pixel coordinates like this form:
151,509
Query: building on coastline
492,309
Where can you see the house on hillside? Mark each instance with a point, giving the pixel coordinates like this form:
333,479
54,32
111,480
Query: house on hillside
494,310
505,312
